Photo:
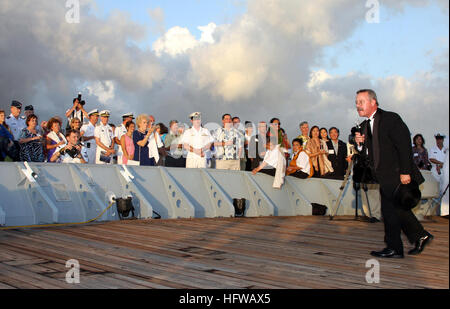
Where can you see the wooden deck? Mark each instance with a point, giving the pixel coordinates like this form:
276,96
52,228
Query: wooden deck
250,253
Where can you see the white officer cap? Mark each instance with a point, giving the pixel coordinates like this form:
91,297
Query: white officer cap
105,113
93,112
128,115
195,116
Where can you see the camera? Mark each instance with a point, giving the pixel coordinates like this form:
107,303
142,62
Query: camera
352,136
79,97
73,153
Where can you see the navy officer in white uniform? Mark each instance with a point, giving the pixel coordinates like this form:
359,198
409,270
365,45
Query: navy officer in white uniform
87,132
104,137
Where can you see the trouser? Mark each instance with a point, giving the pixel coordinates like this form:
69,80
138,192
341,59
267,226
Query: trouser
268,171
300,174
234,165
3,147
242,164
89,153
196,162
397,220
172,162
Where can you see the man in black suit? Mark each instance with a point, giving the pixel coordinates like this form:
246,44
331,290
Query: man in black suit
257,145
337,154
386,140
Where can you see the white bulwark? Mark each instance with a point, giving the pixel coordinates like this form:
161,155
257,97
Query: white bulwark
41,193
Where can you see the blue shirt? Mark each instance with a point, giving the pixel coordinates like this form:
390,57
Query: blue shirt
141,154
5,133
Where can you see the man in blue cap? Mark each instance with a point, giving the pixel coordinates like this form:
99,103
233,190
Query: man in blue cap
14,121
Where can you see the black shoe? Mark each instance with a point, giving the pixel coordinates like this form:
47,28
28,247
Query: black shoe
421,243
374,220
387,253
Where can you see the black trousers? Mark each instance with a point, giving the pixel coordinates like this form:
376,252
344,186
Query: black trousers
172,162
397,220
270,172
300,174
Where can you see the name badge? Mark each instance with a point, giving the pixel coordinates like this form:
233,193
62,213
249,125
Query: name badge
416,155
330,151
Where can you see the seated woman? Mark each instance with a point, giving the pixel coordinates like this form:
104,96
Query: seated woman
317,151
271,159
300,165
54,138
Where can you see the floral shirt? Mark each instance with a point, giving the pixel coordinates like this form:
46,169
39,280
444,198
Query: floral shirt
228,152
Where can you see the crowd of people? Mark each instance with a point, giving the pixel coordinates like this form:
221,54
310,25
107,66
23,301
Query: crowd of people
89,137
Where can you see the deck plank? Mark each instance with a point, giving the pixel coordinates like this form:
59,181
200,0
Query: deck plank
255,253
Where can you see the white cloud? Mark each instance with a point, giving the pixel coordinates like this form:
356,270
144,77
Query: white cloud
174,42
233,67
208,33
104,91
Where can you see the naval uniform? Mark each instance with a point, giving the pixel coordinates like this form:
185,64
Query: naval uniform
197,139
106,136
90,148
437,154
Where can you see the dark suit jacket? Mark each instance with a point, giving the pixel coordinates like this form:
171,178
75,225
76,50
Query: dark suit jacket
256,144
392,151
338,161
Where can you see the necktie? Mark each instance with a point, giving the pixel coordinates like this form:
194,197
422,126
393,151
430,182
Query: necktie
369,142
369,129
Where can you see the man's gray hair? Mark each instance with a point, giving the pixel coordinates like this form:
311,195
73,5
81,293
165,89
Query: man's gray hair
303,123
372,94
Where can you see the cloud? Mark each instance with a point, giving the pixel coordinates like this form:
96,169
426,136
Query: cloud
175,41
158,16
207,33
39,48
179,40
104,91
422,101
258,66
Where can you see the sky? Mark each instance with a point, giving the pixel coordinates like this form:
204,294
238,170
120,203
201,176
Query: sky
258,59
